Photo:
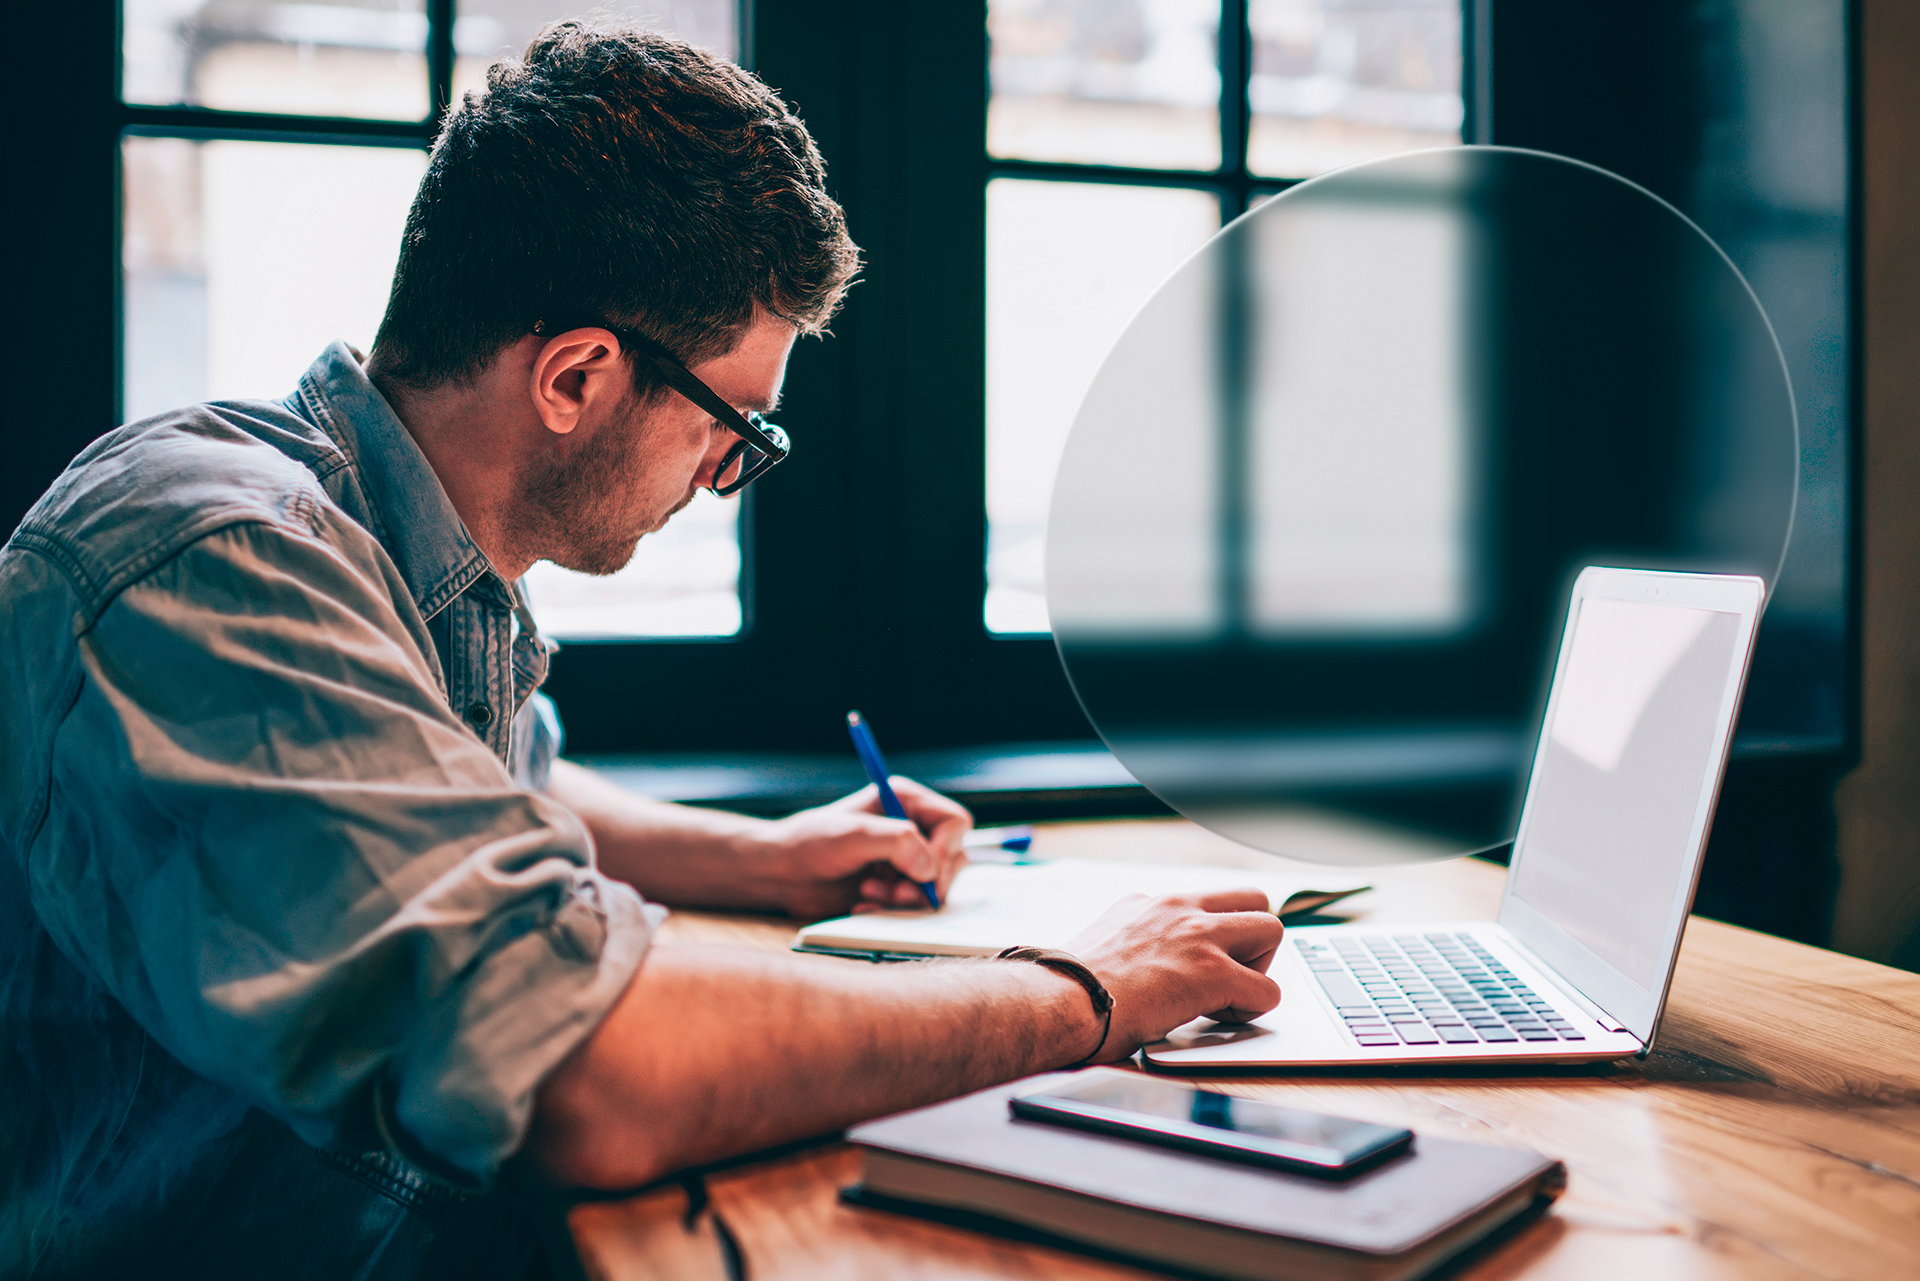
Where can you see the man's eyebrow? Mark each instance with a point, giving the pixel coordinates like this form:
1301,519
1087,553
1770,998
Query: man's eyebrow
763,405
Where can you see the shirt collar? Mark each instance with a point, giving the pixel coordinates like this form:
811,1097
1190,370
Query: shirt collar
414,518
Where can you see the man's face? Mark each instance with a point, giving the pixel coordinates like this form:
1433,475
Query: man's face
628,473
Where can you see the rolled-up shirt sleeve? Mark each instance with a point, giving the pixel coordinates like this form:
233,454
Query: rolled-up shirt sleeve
276,846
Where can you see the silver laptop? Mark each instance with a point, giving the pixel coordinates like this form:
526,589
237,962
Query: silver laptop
1616,816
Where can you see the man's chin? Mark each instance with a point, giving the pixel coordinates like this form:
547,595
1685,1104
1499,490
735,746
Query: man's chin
600,562
677,509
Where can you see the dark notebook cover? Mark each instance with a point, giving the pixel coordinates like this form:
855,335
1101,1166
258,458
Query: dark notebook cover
1197,1212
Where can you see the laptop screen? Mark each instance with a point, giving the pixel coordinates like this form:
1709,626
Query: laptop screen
1632,742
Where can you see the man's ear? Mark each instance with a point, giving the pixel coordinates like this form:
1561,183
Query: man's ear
576,374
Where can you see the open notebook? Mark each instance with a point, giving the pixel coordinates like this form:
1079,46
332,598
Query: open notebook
993,906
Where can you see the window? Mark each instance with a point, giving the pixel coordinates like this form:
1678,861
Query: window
273,151
863,562
866,571
1123,133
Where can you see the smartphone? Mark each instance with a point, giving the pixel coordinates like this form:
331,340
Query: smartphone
1215,1124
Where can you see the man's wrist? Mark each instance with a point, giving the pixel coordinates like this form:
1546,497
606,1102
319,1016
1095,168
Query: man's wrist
755,850
1081,975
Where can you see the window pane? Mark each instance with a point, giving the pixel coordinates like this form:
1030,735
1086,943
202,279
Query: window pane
1367,529
490,30
1068,264
242,260
360,58
1335,83
1119,82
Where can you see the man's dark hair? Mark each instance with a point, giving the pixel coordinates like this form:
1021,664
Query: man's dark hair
619,176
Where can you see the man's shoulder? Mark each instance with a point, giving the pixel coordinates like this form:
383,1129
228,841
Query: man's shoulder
138,495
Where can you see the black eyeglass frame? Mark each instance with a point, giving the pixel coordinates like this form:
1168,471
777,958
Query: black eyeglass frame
769,444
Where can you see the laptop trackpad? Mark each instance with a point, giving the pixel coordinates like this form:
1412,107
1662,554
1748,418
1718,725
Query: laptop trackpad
1298,1029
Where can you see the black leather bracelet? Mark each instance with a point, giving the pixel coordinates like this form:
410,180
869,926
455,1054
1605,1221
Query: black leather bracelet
1074,968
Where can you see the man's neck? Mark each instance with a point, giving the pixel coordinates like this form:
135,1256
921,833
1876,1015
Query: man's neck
473,449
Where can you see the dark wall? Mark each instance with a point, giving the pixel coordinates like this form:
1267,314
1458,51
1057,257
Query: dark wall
1878,915
1739,112
59,355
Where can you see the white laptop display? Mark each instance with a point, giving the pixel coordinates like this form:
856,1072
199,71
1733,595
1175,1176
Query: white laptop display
1616,816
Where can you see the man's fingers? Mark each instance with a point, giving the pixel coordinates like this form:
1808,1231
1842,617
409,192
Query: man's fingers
949,836
950,865
929,808
932,837
864,801
915,859
874,838
1242,898
1246,936
1249,996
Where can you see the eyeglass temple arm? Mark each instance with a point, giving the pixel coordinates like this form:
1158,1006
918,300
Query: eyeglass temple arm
681,380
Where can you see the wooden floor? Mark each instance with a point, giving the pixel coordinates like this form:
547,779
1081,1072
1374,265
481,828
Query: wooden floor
1774,1132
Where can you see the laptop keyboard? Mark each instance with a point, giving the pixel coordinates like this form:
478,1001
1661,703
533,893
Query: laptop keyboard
1429,989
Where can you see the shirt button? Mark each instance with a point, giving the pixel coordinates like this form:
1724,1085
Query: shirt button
480,716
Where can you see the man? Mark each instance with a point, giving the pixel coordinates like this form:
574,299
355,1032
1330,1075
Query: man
310,946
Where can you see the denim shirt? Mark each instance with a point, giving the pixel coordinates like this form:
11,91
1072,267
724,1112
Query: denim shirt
284,930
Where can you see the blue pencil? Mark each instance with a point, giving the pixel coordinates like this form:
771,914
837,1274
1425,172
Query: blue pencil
876,767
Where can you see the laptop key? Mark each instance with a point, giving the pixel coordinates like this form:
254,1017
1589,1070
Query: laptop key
1341,989
1497,1034
1456,1035
1418,1035
1372,1039
1537,1034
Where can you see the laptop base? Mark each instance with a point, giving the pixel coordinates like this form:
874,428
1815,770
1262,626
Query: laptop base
1414,999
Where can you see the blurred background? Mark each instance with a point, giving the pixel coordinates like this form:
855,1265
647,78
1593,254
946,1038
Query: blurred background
212,191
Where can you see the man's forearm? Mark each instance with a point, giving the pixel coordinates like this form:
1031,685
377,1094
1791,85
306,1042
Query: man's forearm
714,1051
670,853
819,862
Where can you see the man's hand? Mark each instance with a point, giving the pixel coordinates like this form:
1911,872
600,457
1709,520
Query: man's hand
849,856
1168,960
841,857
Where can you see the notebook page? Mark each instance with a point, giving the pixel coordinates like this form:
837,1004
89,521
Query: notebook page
992,906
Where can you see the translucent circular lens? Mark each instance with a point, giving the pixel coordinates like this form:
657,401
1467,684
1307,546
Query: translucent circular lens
1314,529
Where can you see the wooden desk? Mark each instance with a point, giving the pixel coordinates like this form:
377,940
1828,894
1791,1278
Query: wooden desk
1774,1132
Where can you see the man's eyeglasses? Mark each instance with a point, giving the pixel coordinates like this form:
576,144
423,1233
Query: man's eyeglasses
760,444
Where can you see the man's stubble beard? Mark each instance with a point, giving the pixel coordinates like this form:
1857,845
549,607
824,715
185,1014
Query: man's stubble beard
582,504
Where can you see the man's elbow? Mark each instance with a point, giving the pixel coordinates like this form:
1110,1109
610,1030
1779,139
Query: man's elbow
586,1135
